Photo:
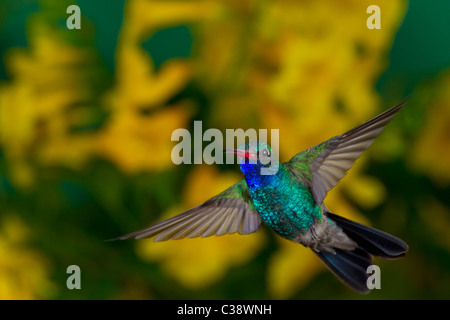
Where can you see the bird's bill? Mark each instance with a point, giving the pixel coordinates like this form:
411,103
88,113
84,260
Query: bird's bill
242,154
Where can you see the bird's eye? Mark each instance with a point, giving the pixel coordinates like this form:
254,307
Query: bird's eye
266,152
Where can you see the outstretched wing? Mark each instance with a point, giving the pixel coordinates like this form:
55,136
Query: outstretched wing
330,160
229,212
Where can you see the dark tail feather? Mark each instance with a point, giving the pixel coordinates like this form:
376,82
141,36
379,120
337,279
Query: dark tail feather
376,242
351,266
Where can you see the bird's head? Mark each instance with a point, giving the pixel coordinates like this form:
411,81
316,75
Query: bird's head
256,155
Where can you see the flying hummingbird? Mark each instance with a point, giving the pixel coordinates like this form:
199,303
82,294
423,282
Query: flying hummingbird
290,202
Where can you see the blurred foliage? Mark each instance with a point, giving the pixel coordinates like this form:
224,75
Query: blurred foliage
86,118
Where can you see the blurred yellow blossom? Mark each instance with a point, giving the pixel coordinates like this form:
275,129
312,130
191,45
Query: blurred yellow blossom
136,142
35,105
437,216
148,15
297,57
24,272
199,262
137,82
48,79
367,191
290,268
431,150
138,135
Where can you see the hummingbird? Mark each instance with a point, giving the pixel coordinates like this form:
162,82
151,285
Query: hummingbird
289,201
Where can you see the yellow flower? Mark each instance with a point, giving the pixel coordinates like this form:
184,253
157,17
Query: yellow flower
437,217
144,16
290,268
24,272
197,263
137,143
137,82
431,150
35,104
138,135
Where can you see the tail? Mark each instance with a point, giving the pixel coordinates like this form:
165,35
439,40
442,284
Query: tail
351,266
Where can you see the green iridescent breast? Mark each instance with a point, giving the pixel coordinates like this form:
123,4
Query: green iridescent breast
286,206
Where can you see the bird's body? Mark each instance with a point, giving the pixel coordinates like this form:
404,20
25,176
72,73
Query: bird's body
289,200
282,202
285,203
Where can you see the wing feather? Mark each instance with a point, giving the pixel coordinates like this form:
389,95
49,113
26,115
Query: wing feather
229,212
330,160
